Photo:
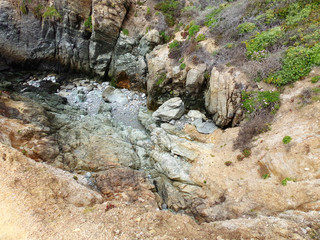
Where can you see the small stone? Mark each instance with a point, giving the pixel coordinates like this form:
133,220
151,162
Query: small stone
164,206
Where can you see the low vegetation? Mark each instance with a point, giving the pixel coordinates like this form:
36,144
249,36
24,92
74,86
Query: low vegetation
88,23
286,140
51,12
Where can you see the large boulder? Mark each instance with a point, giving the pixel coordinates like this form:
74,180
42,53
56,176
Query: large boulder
171,109
223,96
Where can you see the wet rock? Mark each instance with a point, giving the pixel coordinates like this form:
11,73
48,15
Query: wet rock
171,109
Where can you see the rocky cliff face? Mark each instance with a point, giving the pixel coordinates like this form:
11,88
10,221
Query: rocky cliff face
61,34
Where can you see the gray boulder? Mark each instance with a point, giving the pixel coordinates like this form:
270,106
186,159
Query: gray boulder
171,109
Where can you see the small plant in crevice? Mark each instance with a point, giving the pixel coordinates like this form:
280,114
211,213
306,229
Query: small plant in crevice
285,181
175,52
286,140
240,157
51,12
161,78
266,176
165,38
246,153
182,66
88,24
227,163
125,31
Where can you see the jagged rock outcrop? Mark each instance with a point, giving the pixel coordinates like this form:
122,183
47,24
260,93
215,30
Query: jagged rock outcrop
223,97
167,79
61,39
128,66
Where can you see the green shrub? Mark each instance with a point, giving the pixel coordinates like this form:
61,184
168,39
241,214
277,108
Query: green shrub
170,9
88,23
182,66
296,64
262,40
211,20
148,11
193,30
51,12
246,152
253,101
296,15
228,163
174,44
315,79
164,36
246,27
286,140
200,37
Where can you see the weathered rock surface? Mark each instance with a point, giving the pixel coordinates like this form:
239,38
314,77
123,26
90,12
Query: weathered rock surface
195,79
240,189
61,41
171,109
166,79
187,173
128,62
223,96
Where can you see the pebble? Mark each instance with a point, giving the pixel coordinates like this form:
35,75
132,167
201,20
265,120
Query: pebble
164,206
